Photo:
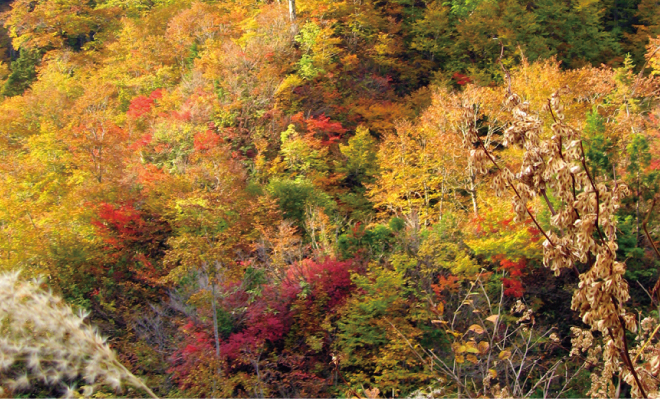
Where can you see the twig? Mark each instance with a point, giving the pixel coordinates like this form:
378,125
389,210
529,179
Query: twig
516,192
645,223
406,339
641,72
552,113
624,352
593,185
506,71
135,380
547,201
561,155
645,290
646,343
656,287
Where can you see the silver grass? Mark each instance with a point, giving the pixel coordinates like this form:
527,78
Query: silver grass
41,333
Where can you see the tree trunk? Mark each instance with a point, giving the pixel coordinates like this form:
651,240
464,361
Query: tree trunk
292,10
473,192
637,212
215,332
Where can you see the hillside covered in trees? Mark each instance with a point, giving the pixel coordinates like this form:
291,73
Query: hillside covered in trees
331,198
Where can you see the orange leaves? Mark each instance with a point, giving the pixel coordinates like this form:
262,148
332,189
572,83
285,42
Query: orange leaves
380,116
149,175
446,284
199,23
206,140
51,24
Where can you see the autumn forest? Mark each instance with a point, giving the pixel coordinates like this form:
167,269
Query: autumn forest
330,198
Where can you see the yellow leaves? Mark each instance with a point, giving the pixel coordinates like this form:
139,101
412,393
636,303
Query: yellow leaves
199,22
458,348
319,47
584,4
360,153
504,355
476,328
314,342
387,48
471,347
251,31
51,23
454,333
319,228
448,255
492,318
372,393
350,62
469,350
654,54
289,83
4,71
414,159
496,233
303,154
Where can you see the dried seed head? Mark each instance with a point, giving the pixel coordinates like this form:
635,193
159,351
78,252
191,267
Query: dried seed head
54,343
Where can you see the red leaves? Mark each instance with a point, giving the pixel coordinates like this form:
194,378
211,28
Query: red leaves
123,221
330,277
330,131
655,164
323,124
512,287
534,233
141,105
190,349
131,240
266,319
513,284
144,141
461,79
237,343
156,94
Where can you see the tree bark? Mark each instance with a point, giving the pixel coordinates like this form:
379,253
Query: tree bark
292,10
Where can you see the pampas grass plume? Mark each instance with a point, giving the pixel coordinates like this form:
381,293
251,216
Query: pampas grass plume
52,343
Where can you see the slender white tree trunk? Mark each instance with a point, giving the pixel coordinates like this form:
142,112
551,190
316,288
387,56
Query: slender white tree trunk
292,10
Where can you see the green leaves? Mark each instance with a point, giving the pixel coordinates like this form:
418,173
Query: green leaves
293,196
361,165
23,73
638,151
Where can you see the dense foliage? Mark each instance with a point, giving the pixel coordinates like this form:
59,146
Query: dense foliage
253,206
